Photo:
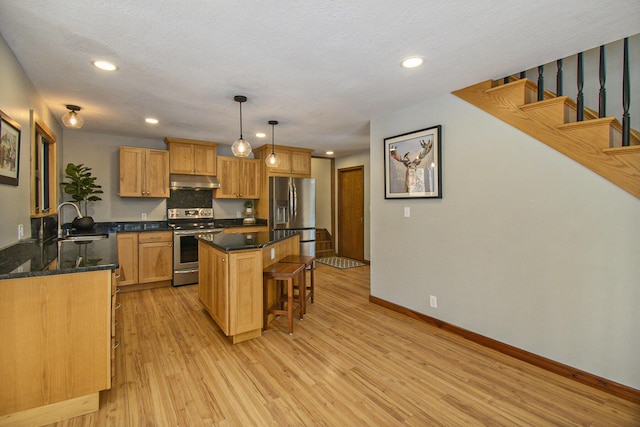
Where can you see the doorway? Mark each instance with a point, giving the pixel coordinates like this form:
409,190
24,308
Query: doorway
351,212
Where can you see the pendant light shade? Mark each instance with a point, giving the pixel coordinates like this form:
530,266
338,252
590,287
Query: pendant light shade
71,118
272,160
240,147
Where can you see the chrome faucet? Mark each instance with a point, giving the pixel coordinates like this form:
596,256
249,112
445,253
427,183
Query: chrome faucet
60,216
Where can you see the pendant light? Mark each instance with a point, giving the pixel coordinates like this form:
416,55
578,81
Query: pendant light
71,118
240,147
272,160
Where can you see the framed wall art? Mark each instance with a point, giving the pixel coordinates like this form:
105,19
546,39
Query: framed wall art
9,150
412,165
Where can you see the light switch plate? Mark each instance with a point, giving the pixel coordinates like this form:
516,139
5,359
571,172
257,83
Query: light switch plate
407,211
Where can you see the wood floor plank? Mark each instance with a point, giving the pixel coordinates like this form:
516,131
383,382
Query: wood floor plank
349,362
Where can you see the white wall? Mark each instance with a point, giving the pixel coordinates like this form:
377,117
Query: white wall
18,97
359,159
526,246
321,172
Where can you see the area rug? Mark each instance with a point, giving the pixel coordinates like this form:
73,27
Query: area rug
339,262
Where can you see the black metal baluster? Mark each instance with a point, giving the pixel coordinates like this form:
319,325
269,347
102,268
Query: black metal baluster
626,95
523,74
505,80
602,103
540,82
559,78
580,97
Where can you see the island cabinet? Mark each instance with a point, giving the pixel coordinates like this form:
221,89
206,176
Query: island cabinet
56,356
239,178
144,172
192,157
146,259
230,288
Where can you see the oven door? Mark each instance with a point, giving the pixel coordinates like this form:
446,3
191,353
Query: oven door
185,255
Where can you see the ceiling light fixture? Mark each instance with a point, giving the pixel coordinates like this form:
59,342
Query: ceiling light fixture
71,118
104,65
329,153
260,135
412,62
272,160
240,147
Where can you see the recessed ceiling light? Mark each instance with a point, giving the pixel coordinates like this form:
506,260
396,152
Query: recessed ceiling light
151,120
105,65
412,62
329,153
260,135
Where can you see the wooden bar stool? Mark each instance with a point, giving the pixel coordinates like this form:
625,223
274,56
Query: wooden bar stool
309,262
284,272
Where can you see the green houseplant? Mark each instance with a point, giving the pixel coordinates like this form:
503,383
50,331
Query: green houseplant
82,187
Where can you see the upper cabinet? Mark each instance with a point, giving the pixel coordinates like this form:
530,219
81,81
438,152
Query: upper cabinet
293,161
191,157
239,178
144,172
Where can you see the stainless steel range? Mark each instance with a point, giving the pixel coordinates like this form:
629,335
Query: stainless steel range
187,223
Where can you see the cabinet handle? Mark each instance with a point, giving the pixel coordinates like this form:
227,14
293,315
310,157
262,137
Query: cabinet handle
116,344
118,305
117,290
224,260
116,323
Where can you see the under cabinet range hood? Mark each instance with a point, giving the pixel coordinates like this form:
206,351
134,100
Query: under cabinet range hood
193,182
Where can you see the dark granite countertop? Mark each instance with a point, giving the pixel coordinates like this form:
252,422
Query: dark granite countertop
244,241
32,257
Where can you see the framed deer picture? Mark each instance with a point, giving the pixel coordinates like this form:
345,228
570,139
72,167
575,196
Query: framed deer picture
412,165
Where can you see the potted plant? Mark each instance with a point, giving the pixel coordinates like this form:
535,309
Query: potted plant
248,206
82,187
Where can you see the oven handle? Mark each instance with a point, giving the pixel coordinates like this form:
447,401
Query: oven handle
196,232
191,270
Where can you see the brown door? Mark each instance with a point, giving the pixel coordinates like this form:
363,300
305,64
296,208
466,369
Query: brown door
351,212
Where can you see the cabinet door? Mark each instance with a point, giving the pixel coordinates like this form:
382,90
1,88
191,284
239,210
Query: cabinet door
245,292
128,258
205,276
249,179
155,262
228,175
285,161
300,163
156,181
131,164
204,160
181,158
220,291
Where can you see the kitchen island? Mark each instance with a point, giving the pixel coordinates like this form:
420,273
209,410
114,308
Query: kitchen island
57,303
230,277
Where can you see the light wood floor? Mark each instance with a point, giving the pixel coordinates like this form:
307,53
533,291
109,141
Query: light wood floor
348,363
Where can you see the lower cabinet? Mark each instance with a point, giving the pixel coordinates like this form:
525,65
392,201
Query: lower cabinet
57,345
230,288
145,258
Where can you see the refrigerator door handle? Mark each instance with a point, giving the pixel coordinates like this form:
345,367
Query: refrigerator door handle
295,199
291,212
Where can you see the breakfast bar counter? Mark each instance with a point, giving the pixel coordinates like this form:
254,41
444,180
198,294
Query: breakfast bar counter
230,277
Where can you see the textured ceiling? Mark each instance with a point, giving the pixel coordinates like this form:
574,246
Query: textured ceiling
321,68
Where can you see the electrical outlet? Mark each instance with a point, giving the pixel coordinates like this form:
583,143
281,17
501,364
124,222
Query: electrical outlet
273,253
20,231
433,301
143,216
238,214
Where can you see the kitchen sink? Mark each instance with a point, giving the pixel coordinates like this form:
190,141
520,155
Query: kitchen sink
84,237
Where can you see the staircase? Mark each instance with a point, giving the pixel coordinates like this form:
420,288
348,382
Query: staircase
594,142
324,244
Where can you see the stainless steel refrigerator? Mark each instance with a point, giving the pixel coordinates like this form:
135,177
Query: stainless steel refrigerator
292,204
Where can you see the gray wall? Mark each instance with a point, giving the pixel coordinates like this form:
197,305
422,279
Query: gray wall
321,171
18,97
526,246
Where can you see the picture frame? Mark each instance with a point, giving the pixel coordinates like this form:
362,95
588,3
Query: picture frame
413,164
9,150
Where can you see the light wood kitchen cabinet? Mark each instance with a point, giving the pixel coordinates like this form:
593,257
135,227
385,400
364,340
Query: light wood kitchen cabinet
230,288
144,172
192,157
239,178
145,258
57,345
293,161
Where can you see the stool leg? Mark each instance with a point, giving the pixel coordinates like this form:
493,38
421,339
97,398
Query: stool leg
290,304
302,293
265,303
313,287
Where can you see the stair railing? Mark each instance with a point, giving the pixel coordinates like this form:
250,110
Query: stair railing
602,92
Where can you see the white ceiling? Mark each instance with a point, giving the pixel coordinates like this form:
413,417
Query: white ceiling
321,68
